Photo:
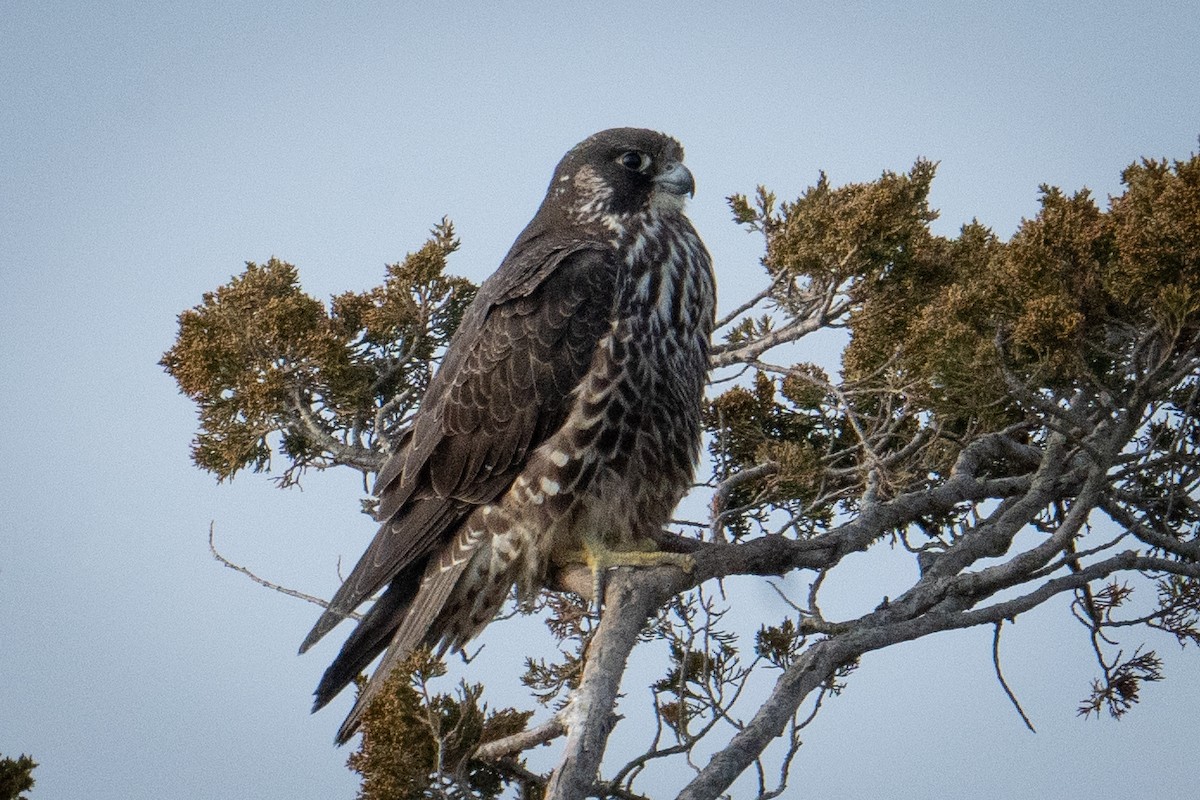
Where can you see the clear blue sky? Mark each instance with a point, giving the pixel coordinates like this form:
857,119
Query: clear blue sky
147,150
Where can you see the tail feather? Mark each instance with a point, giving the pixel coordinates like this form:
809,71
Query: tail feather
374,631
418,628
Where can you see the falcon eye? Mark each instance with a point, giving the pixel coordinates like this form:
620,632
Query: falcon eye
634,161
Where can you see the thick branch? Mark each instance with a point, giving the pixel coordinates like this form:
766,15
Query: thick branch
1152,537
629,601
819,663
810,670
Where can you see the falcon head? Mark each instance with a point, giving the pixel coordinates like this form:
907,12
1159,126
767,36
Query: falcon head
620,172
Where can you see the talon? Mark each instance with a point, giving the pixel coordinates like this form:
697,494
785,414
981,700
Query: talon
599,559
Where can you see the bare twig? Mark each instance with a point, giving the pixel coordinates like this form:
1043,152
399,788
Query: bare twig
718,506
749,304
212,548
1003,683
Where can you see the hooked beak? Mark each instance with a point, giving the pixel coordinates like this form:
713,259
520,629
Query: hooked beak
677,179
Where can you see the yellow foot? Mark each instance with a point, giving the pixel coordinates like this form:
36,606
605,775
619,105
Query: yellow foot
599,559
602,559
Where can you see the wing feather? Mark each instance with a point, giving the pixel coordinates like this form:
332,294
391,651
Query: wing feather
503,388
386,557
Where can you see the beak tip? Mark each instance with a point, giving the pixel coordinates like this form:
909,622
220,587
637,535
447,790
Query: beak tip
677,179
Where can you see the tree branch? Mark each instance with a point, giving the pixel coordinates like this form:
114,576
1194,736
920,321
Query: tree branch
341,453
718,506
798,328
1003,683
749,304
544,733
308,598
589,717
808,672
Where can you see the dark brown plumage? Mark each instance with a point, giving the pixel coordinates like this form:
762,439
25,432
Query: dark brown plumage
563,424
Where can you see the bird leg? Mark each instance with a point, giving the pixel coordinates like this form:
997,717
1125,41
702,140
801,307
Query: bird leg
600,558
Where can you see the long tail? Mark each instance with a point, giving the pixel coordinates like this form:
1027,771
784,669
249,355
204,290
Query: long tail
426,621
374,632
420,627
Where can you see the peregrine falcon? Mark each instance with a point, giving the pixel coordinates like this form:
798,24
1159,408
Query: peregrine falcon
563,425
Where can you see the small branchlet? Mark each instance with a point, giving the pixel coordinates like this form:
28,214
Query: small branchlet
16,776
272,369
779,644
1118,689
703,668
571,621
